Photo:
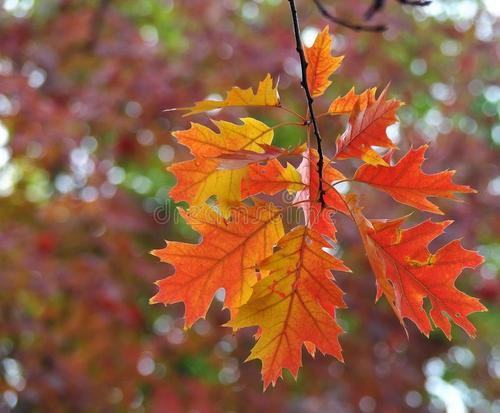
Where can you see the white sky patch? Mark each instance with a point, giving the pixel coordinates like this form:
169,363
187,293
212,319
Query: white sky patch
4,134
216,97
309,35
494,186
343,187
393,132
493,7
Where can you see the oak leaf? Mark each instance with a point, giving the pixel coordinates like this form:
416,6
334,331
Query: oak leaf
225,258
266,95
270,178
231,137
405,182
407,272
294,305
201,178
345,104
367,128
320,63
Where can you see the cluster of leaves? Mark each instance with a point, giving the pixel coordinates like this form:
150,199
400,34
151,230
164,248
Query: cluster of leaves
280,281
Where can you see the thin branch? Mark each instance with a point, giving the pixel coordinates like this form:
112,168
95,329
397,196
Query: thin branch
97,23
353,26
378,5
416,2
310,100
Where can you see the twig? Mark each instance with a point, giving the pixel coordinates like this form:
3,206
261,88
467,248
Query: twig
310,100
353,26
97,22
378,5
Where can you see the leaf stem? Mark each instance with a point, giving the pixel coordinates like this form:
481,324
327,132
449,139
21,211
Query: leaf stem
292,112
309,98
342,181
351,215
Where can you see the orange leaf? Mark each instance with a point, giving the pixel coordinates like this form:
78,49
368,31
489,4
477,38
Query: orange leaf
320,63
225,258
367,128
270,178
345,104
408,184
294,305
407,272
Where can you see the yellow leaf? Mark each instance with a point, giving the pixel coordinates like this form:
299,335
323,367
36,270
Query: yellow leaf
266,95
204,142
201,178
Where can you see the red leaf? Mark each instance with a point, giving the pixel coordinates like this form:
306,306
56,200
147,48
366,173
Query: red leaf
408,184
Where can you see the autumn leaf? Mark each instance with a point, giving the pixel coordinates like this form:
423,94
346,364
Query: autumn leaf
367,128
345,104
407,272
201,178
270,178
226,258
318,216
320,63
405,182
266,95
294,305
204,142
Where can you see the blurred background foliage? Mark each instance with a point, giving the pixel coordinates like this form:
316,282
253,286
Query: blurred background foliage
84,143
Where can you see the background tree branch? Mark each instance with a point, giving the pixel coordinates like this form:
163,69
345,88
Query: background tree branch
376,6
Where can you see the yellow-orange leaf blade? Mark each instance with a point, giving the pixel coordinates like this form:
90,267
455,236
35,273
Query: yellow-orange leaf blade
320,63
405,182
367,128
201,178
231,137
266,95
294,305
407,273
225,258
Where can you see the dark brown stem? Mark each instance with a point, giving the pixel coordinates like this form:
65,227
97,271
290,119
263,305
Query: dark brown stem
309,98
353,26
378,5
96,24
